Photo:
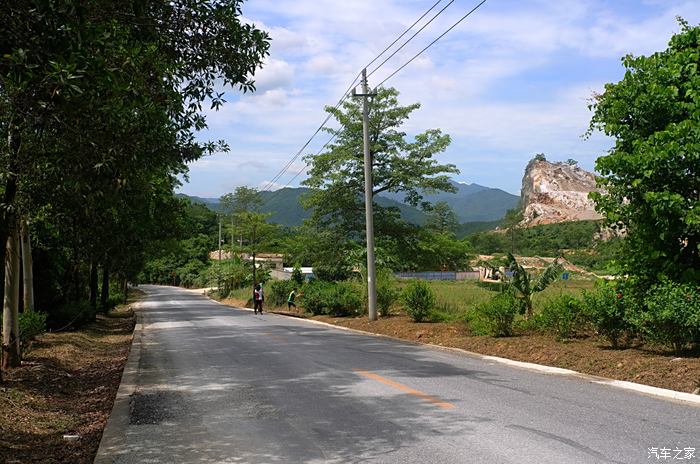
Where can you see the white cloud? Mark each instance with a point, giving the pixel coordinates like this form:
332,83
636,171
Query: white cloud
275,74
284,40
327,64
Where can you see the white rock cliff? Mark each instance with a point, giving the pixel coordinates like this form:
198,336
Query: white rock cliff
556,192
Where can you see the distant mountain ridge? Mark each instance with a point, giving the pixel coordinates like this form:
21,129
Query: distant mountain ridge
471,203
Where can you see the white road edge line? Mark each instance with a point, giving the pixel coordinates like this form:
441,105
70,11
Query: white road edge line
649,390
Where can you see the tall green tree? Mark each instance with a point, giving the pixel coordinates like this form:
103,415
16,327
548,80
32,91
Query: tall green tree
652,174
399,164
237,206
99,105
442,218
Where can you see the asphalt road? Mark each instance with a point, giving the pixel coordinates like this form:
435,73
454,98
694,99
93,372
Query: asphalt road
208,383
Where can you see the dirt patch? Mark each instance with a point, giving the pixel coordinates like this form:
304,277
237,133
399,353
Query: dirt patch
65,387
647,365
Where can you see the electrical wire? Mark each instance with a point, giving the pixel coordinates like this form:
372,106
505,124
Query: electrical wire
286,167
306,165
403,34
432,43
410,38
469,13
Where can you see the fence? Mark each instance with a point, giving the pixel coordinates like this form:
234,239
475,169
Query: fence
439,275
287,275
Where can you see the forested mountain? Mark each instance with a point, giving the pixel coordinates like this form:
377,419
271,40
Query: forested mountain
471,203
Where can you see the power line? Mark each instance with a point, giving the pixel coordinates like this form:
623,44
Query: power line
411,38
286,167
298,153
306,165
382,82
433,42
404,33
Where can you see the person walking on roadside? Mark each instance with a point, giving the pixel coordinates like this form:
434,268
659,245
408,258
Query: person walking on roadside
290,299
258,299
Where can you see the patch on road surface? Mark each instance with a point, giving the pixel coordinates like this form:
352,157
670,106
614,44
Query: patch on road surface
155,407
247,402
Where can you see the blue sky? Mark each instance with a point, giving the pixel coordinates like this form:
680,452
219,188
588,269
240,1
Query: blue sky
510,81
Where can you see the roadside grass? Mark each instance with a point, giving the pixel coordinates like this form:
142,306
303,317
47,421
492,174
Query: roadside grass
241,297
455,300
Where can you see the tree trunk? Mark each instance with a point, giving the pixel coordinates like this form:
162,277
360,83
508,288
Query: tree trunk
93,287
93,284
10,319
28,267
104,296
125,290
6,224
77,291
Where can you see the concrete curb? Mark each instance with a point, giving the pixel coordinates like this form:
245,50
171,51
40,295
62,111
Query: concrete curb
686,398
113,434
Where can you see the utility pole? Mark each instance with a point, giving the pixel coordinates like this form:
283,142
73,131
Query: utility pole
254,267
219,266
369,220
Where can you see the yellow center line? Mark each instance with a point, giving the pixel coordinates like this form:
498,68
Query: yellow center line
406,389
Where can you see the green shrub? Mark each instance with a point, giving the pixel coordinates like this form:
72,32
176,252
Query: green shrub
297,276
30,325
495,317
332,272
233,274
606,308
314,297
419,300
190,273
387,292
671,315
564,315
332,298
277,292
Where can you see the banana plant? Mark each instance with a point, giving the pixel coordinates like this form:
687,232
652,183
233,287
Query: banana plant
525,285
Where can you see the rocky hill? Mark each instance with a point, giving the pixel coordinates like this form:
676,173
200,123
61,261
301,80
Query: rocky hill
556,192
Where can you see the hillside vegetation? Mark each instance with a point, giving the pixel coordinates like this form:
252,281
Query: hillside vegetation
577,241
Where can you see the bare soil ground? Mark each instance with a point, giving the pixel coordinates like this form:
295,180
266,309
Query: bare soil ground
643,364
65,386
